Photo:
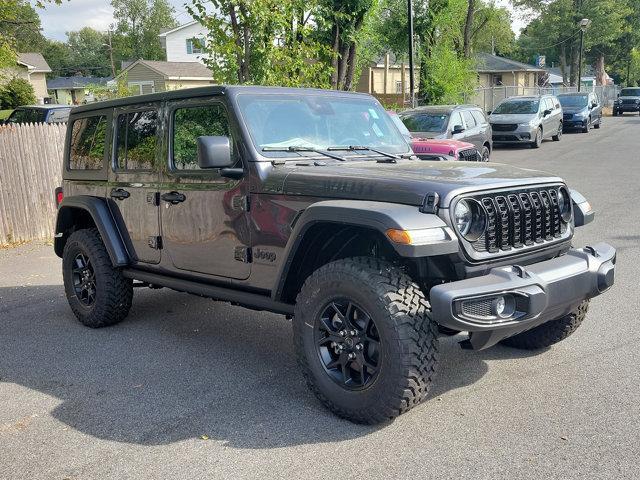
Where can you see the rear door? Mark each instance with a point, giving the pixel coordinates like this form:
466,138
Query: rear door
133,181
473,132
549,125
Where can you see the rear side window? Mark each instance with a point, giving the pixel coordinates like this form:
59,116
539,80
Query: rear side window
468,118
58,115
189,123
479,117
137,140
27,115
88,140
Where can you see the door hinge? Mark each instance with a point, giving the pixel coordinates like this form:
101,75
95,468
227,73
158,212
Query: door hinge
153,198
155,242
242,254
240,202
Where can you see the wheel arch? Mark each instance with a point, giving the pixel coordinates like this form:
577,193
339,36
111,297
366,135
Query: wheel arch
84,211
330,230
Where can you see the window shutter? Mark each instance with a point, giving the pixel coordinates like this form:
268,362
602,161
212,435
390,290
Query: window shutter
189,46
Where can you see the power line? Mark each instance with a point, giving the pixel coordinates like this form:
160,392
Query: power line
554,45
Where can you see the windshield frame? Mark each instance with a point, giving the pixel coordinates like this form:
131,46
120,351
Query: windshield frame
261,155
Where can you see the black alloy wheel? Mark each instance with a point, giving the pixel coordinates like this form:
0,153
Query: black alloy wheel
348,344
84,280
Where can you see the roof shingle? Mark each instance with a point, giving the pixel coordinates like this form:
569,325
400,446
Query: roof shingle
35,60
485,62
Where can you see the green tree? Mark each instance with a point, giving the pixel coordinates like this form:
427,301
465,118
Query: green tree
268,42
88,52
16,92
138,24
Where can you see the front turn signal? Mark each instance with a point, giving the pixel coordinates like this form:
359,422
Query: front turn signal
422,236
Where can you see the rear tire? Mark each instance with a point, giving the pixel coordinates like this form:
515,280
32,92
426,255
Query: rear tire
549,333
98,293
388,316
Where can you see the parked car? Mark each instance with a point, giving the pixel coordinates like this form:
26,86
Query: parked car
628,101
434,149
527,120
580,111
310,204
39,114
467,123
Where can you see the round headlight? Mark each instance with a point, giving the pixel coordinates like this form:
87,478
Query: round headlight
564,204
470,219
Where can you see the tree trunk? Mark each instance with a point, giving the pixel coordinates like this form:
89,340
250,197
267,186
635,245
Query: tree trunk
351,67
563,64
600,73
335,54
468,28
238,41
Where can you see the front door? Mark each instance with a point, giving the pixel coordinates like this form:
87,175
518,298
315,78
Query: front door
204,215
134,177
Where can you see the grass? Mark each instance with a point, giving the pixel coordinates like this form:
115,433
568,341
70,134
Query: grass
4,114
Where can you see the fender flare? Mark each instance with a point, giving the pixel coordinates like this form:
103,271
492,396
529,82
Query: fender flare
582,211
108,225
379,216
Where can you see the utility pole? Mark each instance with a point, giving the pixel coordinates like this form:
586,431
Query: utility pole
412,80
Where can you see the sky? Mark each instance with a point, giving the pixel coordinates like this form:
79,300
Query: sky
98,14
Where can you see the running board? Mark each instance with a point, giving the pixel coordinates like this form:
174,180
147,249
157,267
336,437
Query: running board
236,297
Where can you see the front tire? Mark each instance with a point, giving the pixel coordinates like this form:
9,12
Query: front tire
558,136
538,140
485,154
98,293
587,126
549,333
374,304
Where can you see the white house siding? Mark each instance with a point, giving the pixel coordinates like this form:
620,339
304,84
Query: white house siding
176,43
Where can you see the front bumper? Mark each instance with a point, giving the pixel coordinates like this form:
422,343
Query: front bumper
627,107
574,123
522,134
539,292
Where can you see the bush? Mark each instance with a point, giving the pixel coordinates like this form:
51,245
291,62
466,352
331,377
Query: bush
16,92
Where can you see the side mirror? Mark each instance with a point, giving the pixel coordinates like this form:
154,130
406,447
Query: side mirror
594,105
214,152
489,112
457,129
546,113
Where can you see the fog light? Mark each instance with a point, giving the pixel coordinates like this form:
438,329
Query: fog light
504,306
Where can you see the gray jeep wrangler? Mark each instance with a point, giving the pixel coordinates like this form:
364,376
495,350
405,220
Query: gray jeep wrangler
311,204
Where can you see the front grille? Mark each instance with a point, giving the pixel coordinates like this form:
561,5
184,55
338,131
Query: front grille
629,101
504,127
469,155
567,116
520,219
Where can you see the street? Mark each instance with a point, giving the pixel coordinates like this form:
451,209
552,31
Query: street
191,388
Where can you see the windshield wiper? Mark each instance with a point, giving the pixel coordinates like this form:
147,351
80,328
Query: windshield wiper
355,148
295,149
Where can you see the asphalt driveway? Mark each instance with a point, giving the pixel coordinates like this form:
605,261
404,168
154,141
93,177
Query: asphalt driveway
190,388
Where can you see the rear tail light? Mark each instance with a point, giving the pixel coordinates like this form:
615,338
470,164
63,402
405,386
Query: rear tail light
59,196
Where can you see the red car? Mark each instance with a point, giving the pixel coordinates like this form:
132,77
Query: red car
432,149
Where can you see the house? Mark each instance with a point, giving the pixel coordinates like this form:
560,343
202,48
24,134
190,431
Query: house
185,43
73,90
33,68
496,71
387,79
149,76
588,80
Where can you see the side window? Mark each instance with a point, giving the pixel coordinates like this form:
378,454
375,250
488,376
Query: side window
137,140
550,105
88,140
189,123
456,119
468,118
479,117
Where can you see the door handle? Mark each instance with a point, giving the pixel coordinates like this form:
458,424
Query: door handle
119,194
173,197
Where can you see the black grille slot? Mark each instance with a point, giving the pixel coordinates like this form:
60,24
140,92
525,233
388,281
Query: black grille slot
478,308
504,127
469,155
519,219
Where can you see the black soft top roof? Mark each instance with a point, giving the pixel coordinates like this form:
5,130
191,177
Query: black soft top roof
228,90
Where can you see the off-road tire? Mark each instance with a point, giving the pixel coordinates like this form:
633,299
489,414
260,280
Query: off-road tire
549,333
114,292
538,139
408,337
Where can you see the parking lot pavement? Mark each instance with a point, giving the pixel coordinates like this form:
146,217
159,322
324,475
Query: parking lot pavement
189,388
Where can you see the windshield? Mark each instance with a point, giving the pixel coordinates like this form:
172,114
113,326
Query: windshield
630,92
318,122
425,122
518,106
573,100
27,115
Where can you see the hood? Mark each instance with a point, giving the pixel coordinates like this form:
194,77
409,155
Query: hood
512,117
442,146
404,182
574,110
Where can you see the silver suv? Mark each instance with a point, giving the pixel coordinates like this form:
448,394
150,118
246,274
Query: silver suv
527,120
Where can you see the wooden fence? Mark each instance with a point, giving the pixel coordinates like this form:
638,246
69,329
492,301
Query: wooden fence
30,170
